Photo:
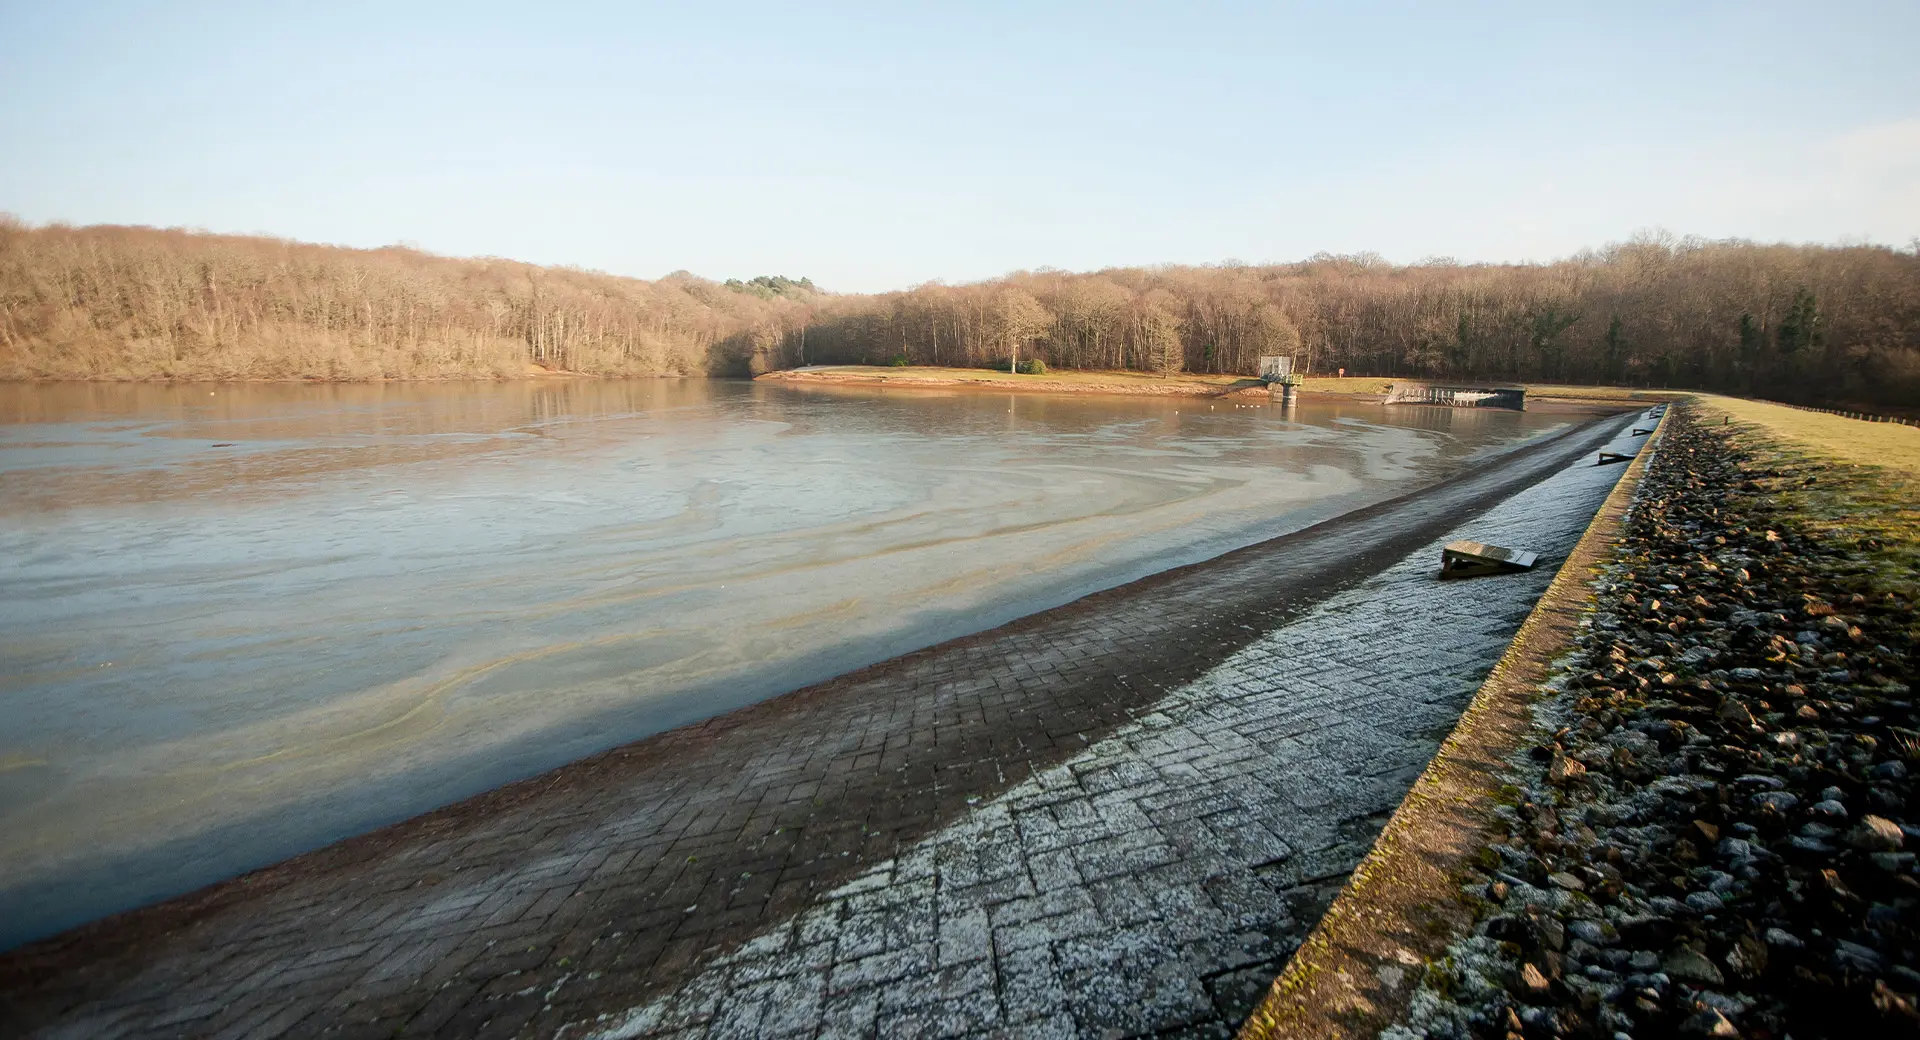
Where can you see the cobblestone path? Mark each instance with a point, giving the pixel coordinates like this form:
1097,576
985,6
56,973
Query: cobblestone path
1116,814
1157,881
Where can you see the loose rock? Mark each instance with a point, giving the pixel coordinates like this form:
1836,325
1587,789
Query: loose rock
1876,834
1719,818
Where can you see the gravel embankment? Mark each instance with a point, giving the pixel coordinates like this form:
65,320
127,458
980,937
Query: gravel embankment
1717,838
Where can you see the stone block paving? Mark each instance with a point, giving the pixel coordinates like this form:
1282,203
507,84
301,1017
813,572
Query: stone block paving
1110,817
1157,881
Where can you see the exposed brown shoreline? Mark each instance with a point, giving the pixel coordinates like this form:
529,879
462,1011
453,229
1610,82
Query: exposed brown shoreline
1241,390
1008,382
534,372
1244,390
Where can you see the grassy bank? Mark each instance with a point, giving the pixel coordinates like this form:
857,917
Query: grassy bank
1625,394
1850,483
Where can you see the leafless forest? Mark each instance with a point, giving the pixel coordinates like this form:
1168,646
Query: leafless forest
137,303
1800,323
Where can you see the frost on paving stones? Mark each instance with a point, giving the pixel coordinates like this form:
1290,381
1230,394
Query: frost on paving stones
1162,876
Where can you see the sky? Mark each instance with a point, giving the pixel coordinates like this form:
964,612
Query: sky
874,147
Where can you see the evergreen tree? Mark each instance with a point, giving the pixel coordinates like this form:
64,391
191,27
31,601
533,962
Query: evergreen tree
1616,342
1752,343
1801,327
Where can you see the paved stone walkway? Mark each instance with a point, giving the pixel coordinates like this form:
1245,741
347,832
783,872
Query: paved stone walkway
622,878
1156,882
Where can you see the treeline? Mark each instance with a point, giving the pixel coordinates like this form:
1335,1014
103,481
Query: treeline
1798,323
1807,324
132,303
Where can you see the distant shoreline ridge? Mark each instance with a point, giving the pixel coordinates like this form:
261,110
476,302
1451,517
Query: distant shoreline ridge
1819,325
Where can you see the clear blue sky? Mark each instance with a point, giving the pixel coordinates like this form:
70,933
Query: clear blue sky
877,146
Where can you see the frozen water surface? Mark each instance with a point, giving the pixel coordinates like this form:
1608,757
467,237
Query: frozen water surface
241,621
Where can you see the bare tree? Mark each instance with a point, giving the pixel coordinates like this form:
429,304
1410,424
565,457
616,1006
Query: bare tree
1800,323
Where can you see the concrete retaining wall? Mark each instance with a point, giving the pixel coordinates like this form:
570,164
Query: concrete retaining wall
1459,396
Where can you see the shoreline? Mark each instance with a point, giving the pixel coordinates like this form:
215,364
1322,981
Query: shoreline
1127,384
535,373
1186,386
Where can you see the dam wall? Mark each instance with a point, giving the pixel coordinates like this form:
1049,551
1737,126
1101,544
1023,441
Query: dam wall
1166,781
1459,395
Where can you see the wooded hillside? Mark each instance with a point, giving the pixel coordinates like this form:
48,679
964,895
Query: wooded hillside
1797,323
122,302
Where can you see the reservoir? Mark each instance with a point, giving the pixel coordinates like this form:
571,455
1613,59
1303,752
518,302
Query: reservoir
240,621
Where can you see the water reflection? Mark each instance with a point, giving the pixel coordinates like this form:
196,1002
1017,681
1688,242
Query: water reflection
241,621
